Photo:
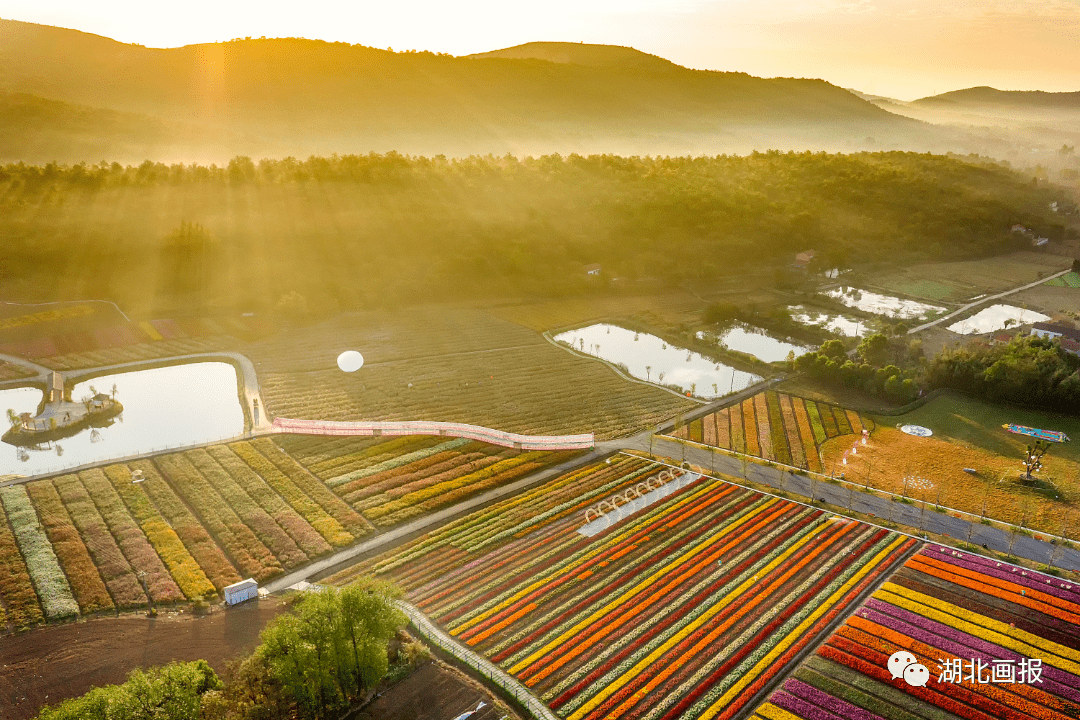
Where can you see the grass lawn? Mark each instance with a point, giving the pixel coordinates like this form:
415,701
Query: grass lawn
968,434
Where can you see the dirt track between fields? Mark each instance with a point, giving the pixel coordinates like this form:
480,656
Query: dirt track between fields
50,664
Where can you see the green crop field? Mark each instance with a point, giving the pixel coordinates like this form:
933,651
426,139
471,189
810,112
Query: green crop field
956,281
451,365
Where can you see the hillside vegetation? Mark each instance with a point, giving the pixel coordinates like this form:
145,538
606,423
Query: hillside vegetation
292,96
360,230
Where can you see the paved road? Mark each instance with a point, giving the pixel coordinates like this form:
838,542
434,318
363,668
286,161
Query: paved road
845,496
984,300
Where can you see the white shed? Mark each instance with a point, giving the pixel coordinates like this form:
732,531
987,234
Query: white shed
241,591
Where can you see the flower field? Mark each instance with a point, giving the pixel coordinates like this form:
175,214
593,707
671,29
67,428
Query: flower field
943,606
685,609
200,520
392,480
775,426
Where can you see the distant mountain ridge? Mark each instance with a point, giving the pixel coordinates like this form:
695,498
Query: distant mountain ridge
984,95
582,54
290,96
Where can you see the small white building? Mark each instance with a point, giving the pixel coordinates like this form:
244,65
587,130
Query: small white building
241,591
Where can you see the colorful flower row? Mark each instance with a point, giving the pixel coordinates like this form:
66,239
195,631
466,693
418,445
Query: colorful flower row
115,570
314,513
191,579
265,528
395,462
307,538
130,538
531,510
314,488
447,467
775,426
49,580
685,608
239,542
210,557
20,601
85,580
979,610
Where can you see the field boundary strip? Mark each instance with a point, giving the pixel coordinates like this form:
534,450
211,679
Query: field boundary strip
430,632
422,427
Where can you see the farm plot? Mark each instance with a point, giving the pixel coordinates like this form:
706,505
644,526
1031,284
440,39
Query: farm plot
392,480
999,642
687,608
196,521
454,366
775,426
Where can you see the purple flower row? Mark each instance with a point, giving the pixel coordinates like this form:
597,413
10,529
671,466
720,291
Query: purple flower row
841,707
1004,571
961,644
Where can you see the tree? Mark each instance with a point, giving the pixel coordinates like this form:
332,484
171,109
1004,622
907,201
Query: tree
874,349
1033,457
171,692
833,349
333,648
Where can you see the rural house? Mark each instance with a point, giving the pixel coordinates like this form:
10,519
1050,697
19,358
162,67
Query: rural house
802,260
593,269
1070,336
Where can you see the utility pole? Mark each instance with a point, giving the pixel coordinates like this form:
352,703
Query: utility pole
141,574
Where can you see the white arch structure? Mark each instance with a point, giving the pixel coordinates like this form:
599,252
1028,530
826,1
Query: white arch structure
595,512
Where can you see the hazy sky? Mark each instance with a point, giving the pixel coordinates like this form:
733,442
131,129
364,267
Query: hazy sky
899,48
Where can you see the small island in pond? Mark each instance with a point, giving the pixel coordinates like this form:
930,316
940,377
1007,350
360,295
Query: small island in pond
60,417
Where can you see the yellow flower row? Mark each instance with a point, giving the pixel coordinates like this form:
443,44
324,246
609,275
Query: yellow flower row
763,664
541,580
45,316
772,712
678,637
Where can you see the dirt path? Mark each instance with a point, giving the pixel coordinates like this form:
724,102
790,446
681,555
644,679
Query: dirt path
50,664
434,692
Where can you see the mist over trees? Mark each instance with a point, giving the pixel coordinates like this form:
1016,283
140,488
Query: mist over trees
346,231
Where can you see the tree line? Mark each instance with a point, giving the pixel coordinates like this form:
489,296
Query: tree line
314,662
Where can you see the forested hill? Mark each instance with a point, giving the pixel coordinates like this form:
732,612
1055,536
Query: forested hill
1016,99
297,97
350,231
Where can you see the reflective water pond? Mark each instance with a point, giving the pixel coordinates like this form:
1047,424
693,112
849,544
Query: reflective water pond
839,324
757,342
886,305
650,358
994,318
170,406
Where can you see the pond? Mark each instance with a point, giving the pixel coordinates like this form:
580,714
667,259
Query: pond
994,317
886,305
757,342
839,324
170,406
650,358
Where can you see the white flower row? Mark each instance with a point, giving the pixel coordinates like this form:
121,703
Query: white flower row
49,580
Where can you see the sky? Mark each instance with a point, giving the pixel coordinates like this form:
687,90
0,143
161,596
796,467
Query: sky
904,49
